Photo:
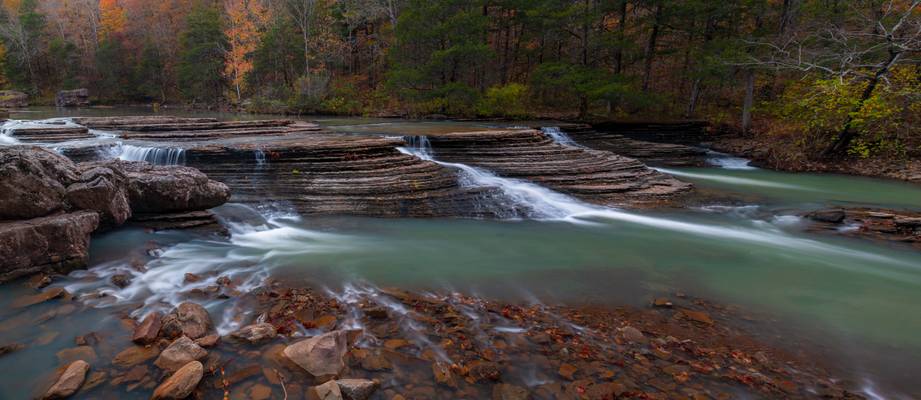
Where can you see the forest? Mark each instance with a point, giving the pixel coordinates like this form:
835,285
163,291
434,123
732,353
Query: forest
842,75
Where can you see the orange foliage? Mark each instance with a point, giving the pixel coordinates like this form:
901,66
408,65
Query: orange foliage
112,18
245,21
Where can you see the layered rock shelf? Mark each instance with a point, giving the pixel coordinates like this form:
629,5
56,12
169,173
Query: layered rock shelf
50,133
340,174
191,129
599,177
656,153
690,133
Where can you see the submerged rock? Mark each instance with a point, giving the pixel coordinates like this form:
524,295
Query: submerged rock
187,319
255,333
829,216
327,391
320,356
179,353
69,382
181,384
505,391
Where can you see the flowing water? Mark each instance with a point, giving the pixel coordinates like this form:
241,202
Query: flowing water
854,301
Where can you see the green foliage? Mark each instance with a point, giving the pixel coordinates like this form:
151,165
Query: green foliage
504,101
151,73
66,70
820,108
116,76
278,61
343,99
201,59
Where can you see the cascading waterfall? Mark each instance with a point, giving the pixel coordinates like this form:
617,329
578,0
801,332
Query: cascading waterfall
261,160
559,136
153,155
546,204
727,161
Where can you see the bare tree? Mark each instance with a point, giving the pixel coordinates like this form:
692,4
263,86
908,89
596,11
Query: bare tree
864,46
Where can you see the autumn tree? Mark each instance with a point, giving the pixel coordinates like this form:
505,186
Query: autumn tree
246,20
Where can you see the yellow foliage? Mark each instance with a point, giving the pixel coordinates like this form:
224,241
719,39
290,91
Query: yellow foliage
113,19
245,22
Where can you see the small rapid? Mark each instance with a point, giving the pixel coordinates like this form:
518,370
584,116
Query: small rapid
153,155
559,136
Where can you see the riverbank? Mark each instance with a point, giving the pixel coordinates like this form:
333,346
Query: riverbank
397,344
766,153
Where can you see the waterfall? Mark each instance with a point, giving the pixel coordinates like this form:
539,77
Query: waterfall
727,161
559,136
261,161
548,205
153,155
421,147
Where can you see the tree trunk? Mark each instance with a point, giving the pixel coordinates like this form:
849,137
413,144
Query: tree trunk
749,101
621,33
847,134
651,48
692,101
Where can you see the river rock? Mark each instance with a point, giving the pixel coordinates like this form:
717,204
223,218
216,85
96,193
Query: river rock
69,381
13,99
255,333
147,331
72,98
134,355
161,189
320,356
33,182
829,216
181,384
104,190
52,244
327,391
357,389
187,319
505,391
179,353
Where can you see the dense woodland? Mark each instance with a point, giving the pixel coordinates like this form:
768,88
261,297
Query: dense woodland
842,74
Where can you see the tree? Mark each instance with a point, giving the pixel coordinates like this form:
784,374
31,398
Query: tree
201,58
246,20
21,30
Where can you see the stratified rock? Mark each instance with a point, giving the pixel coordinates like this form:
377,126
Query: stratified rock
320,356
504,391
181,384
69,381
104,190
657,153
33,182
690,133
53,244
165,189
829,216
596,176
357,389
13,99
181,352
187,319
327,391
255,333
72,98
146,332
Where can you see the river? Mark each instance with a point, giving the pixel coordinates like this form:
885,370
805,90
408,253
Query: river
852,301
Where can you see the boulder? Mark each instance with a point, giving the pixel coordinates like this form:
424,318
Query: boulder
104,190
72,98
69,382
52,244
255,333
181,384
134,355
160,189
146,332
327,391
187,319
33,182
179,353
357,389
320,356
13,99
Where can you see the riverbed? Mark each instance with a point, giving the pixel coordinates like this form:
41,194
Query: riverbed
742,242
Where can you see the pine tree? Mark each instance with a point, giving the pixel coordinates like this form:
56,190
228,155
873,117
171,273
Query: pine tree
201,59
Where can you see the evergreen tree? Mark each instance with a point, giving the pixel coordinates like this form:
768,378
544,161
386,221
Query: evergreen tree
201,58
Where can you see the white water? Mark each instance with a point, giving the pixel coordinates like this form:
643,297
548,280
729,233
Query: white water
546,204
727,161
261,161
559,136
153,155
732,180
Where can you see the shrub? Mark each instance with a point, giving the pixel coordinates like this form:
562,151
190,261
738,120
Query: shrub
504,101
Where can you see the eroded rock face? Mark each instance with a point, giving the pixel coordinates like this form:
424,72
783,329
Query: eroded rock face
57,243
188,319
72,98
33,182
181,384
156,189
13,99
255,333
320,356
650,152
104,190
69,381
